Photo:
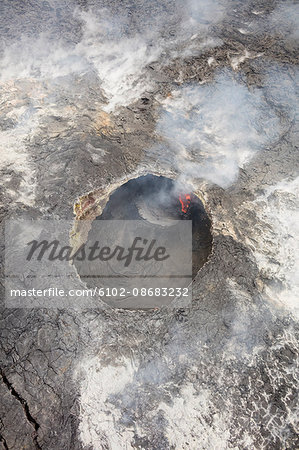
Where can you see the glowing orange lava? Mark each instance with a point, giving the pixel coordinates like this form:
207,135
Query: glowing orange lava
185,201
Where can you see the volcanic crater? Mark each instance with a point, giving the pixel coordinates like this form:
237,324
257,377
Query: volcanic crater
160,201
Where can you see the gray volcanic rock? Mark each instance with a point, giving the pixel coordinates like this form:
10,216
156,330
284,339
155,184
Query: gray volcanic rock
94,93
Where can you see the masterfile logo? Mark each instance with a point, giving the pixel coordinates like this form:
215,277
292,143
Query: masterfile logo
122,264
140,250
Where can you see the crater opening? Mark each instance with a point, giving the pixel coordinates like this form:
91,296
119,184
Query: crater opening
160,200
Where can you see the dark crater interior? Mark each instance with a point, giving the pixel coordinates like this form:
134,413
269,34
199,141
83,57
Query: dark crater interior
158,200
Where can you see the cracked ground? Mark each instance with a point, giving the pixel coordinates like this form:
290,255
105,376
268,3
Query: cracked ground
93,94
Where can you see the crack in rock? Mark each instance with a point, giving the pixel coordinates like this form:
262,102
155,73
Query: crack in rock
25,407
3,441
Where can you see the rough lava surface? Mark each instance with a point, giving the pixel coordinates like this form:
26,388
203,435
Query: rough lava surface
97,91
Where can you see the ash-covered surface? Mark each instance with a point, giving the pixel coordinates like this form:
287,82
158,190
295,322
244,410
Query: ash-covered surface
93,92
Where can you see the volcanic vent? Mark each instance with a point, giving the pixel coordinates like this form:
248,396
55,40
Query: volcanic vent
158,200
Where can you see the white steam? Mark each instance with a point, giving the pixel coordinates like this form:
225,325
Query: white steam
212,130
119,61
201,14
285,19
37,74
187,425
98,416
275,242
118,57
